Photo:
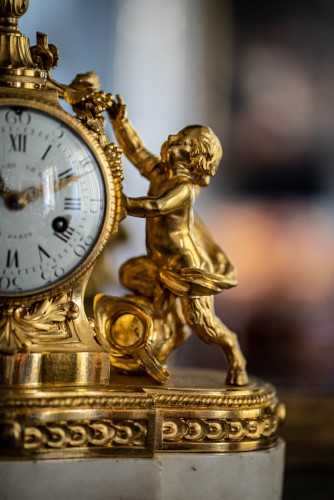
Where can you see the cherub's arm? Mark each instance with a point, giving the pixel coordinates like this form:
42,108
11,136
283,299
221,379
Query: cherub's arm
170,200
130,141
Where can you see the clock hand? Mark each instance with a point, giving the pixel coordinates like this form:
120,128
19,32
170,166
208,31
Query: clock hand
67,181
12,198
17,200
3,187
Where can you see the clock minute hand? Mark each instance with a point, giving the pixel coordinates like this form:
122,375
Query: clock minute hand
67,181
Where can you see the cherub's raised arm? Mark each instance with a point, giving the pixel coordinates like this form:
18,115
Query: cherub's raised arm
130,141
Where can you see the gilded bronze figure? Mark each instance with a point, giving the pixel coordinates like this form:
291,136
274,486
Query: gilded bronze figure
184,267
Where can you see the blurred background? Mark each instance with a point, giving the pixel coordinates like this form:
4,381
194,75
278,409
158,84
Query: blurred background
261,74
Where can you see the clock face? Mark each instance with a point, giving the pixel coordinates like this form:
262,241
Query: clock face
52,201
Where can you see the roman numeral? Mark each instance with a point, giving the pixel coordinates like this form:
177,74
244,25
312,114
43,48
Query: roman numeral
18,143
72,204
42,253
66,235
46,152
67,174
12,259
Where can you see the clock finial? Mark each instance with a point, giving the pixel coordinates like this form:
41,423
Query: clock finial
11,11
17,68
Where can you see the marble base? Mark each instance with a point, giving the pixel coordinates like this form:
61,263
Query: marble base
253,475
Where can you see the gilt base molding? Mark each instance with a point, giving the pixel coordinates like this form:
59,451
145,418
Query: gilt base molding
136,417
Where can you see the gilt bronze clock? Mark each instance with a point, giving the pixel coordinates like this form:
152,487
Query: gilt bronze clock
73,386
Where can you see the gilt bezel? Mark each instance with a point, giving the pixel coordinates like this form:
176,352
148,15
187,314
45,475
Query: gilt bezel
53,108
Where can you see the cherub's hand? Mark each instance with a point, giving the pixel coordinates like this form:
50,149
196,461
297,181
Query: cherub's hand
118,110
124,204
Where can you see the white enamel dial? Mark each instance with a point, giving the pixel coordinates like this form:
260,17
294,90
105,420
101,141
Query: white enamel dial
52,200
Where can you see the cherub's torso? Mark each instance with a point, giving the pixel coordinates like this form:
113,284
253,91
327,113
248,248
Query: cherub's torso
170,237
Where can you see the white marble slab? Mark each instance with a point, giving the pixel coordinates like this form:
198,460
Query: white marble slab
169,476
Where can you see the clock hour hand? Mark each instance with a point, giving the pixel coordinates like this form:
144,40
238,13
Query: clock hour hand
17,200
12,198
3,187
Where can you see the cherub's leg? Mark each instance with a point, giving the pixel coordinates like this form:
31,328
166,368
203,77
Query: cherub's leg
175,328
199,313
140,275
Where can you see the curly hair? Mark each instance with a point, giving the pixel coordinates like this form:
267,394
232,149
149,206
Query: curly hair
206,151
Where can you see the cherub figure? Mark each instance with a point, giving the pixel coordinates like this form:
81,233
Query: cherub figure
190,265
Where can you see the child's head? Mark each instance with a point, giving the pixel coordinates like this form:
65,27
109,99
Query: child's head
197,148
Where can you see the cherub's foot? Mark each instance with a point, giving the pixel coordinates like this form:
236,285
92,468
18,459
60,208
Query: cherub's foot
237,376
